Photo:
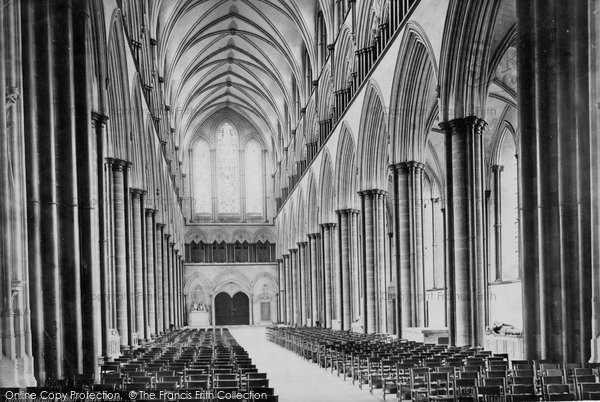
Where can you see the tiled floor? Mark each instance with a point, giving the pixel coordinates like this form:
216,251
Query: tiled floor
294,378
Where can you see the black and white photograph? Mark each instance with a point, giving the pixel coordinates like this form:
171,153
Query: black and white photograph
300,200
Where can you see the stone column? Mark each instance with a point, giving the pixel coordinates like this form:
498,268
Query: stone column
174,275
182,304
281,293
343,263
180,284
326,282
150,272
118,167
294,285
408,222
159,284
336,278
178,290
288,293
354,260
372,201
169,280
346,262
302,264
382,275
136,215
554,170
251,301
315,242
464,156
182,314
497,183
176,271
16,360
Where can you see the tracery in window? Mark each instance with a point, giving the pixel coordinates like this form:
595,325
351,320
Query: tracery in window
202,183
254,179
227,169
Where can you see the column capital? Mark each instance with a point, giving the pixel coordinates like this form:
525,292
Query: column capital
285,256
348,211
167,235
302,243
151,211
414,165
330,47
372,192
118,164
280,259
172,244
497,168
160,225
460,125
137,193
328,225
314,235
293,250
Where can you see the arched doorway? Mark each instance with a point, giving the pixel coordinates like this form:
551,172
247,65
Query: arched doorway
232,310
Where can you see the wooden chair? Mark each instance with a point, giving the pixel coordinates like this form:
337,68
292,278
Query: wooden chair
501,382
589,391
491,393
419,383
523,393
439,387
558,392
465,389
201,385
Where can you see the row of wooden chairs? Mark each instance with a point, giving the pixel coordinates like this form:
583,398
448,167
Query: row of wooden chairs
189,361
420,371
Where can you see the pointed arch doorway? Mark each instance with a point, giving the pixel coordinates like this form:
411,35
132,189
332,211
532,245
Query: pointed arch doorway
232,310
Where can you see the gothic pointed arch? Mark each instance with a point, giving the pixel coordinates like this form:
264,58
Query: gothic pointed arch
345,170
373,143
119,123
312,204
464,60
413,95
326,192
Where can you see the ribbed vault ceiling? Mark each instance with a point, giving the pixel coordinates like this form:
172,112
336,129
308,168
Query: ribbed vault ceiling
237,54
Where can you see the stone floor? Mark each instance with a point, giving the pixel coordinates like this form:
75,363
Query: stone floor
294,378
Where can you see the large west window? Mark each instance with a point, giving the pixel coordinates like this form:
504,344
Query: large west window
227,176
254,178
228,170
202,188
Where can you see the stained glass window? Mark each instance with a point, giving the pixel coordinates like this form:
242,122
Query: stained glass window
201,174
227,169
254,179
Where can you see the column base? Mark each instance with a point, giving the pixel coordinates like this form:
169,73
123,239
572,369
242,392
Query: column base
16,373
26,375
595,349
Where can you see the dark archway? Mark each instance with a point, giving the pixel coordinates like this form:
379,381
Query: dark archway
232,310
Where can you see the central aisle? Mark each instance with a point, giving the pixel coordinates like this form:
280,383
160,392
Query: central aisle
294,378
